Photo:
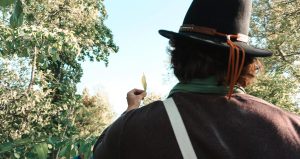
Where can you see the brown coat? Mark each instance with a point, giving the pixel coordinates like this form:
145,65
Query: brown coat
244,127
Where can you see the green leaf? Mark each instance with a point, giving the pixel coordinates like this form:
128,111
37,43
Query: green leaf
5,147
84,148
41,150
5,3
88,151
73,151
65,151
55,56
16,18
52,140
22,141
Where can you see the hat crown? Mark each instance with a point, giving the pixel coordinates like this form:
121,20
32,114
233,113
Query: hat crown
226,16
218,25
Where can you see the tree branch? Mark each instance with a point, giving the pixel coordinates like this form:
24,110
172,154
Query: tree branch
293,54
33,65
281,54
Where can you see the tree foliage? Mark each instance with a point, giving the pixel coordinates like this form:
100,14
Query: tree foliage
95,115
151,97
41,46
275,26
29,119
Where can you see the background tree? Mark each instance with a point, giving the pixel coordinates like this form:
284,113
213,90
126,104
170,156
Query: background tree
49,39
95,115
275,26
151,97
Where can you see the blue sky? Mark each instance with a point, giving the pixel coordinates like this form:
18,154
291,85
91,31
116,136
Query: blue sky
135,25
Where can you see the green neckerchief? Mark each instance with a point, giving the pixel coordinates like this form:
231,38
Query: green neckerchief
208,85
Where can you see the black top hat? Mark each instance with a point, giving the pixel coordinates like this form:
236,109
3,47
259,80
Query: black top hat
213,22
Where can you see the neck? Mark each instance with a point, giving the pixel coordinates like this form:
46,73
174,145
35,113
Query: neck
205,86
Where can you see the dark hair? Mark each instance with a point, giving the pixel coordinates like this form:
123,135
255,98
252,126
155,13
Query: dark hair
191,61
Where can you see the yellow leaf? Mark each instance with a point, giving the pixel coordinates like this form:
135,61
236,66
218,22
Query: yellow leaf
144,82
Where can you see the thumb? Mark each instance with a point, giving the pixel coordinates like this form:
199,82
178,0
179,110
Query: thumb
143,95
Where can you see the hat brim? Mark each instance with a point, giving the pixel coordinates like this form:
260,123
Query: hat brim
211,42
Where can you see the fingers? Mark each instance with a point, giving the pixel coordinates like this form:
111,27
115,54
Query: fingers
137,93
134,98
143,95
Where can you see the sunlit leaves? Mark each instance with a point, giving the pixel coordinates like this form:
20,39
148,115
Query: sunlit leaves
93,38
277,89
278,22
58,34
95,114
33,118
275,26
151,97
